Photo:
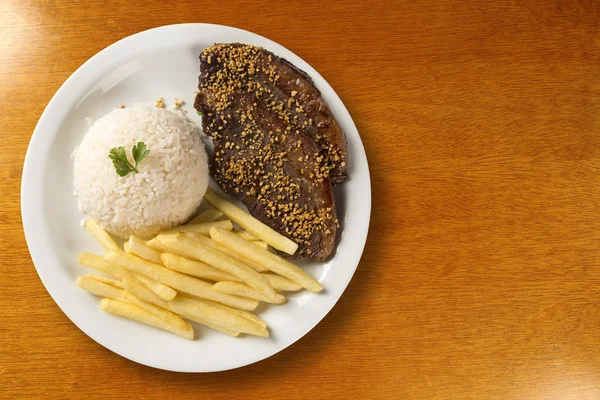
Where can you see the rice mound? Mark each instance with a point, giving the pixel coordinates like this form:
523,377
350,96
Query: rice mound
171,181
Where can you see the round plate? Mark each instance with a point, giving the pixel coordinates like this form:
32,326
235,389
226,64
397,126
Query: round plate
163,62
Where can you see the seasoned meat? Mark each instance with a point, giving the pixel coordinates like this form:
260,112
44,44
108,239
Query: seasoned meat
277,146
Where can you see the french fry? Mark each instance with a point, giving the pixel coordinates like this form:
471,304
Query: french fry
203,228
260,244
167,315
163,291
126,248
100,264
219,317
109,281
143,293
251,224
179,281
133,312
138,247
248,315
211,243
282,283
98,288
205,271
268,259
101,235
199,250
195,268
210,215
159,247
244,234
240,289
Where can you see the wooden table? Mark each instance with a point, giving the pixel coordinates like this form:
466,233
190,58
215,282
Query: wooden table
480,277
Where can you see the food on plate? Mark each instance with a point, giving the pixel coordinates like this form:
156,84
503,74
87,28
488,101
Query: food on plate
130,311
202,228
241,313
195,268
205,271
271,261
246,235
137,247
251,224
100,264
176,280
261,244
240,289
141,174
167,315
278,147
200,251
100,235
118,155
282,283
219,317
156,281
139,170
109,281
143,293
210,215
98,288
155,244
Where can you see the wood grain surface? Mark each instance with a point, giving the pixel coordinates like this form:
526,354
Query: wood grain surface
480,278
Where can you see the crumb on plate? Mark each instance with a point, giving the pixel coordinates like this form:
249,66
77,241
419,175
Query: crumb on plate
177,104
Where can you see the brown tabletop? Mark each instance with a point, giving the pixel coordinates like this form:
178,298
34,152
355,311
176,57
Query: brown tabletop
481,123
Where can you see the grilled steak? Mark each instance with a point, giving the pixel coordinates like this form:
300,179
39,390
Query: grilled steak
277,146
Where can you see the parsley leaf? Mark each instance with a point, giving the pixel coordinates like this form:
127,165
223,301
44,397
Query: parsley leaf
120,161
139,152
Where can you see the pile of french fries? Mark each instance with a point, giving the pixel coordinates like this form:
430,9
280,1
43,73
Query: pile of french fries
203,271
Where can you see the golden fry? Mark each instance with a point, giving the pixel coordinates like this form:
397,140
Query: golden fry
133,312
282,283
195,268
261,244
101,235
248,236
199,250
179,281
109,281
203,228
143,293
155,244
138,248
211,243
246,314
240,289
268,259
100,264
160,312
98,288
251,224
219,317
210,215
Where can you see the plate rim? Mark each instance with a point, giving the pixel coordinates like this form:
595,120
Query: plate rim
29,173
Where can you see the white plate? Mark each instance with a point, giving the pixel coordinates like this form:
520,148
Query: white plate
140,69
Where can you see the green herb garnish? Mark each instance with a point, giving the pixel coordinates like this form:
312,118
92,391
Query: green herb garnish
199,113
120,161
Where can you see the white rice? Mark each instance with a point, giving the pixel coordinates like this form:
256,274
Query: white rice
171,181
